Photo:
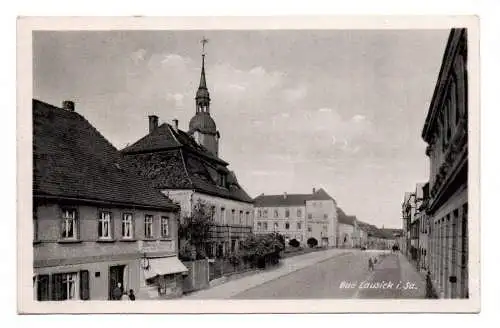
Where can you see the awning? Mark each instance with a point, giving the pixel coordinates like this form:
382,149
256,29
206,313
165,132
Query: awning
164,265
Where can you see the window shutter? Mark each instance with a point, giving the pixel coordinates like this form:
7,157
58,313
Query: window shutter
78,225
111,226
61,225
57,287
99,231
43,288
84,285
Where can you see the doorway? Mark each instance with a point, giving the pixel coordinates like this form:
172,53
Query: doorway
116,274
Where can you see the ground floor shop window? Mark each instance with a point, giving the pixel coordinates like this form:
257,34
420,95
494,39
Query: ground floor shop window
62,286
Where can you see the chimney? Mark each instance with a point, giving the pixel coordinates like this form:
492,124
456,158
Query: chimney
175,124
153,123
314,190
68,105
284,195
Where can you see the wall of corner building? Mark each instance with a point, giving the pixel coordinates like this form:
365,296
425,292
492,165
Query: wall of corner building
49,250
318,209
188,198
52,255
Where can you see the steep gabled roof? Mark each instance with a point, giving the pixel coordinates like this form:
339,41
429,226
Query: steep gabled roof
71,159
344,218
172,159
165,137
290,199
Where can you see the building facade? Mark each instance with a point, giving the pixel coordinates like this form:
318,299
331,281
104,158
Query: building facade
96,223
298,216
348,230
186,166
409,231
446,133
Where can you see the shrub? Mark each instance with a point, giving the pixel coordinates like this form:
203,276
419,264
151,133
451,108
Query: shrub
312,242
294,243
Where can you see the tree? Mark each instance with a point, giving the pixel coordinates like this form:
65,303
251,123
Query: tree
312,242
195,230
294,243
261,249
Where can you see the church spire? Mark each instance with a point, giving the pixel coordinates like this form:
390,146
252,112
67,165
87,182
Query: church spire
203,81
202,95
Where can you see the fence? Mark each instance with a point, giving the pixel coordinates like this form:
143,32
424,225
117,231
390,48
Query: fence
198,276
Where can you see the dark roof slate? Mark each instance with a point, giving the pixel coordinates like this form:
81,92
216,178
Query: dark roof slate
290,199
344,218
165,137
182,165
71,159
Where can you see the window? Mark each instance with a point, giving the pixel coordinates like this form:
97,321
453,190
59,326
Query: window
276,225
259,226
299,225
104,228
287,226
68,229
299,213
233,245
276,213
309,216
264,214
259,213
233,216
148,226
241,217
264,226
64,286
223,215
212,213
287,213
325,216
309,229
127,226
165,231
248,220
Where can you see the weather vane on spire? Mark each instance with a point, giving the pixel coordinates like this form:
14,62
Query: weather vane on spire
203,42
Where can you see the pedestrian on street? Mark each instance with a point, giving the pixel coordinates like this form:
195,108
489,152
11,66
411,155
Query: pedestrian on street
117,292
131,295
370,264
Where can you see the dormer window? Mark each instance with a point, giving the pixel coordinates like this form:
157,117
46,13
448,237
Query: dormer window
223,180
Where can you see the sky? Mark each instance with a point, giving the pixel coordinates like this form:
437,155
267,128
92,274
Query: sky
341,110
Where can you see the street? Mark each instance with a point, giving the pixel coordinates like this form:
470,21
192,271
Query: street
345,276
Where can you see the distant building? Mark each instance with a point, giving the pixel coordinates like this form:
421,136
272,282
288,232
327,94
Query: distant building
409,235
348,230
186,166
446,133
96,223
299,216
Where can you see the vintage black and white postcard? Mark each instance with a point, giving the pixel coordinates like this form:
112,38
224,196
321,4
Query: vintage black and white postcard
248,165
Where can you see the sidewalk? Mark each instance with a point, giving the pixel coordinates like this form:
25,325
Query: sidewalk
287,266
410,274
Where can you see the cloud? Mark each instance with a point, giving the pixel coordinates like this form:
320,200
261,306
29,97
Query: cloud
178,98
358,118
295,94
138,56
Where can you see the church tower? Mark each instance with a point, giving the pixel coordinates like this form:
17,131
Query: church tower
201,126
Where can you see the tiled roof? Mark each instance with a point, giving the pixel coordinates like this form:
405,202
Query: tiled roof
165,137
173,160
344,218
290,199
73,160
